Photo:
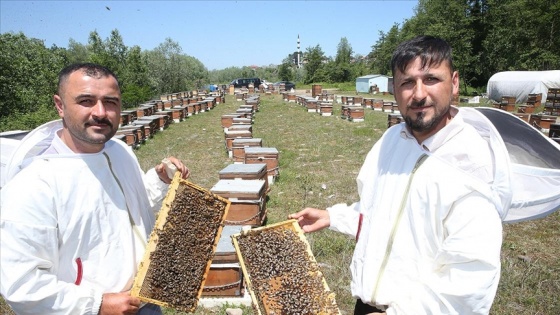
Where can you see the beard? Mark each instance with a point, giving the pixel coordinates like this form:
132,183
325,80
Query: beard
419,123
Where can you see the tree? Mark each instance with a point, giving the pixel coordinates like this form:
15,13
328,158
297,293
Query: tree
285,70
76,52
315,57
169,70
27,81
341,70
135,85
522,35
116,52
382,50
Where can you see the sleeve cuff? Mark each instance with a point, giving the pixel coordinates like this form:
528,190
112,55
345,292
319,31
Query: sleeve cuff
344,218
97,300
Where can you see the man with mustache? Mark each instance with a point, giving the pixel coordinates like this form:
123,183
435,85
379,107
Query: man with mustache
428,223
77,209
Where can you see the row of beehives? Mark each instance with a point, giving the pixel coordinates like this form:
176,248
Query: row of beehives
352,108
534,101
272,264
251,89
139,124
245,183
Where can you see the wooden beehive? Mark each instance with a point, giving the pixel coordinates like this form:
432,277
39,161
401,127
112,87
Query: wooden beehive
181,247
270,156
238,146
225,277
356,113
326,109
245,171
248,200
281,273
227,119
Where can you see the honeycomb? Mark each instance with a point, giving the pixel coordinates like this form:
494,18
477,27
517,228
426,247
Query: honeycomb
181,247
281,273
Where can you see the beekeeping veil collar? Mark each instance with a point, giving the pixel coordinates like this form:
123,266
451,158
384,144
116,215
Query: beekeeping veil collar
531,181
33,144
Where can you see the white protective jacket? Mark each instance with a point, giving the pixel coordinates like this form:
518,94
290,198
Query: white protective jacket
73,226
428,227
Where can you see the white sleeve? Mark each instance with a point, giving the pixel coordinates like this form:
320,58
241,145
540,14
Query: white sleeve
345,219
29,260
466,270
155,188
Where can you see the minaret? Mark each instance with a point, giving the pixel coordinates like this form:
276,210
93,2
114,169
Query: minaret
298,61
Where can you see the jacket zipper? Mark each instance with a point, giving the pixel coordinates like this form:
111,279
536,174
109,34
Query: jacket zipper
389,247
135,230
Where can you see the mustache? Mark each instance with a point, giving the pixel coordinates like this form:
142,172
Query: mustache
100,121
420,103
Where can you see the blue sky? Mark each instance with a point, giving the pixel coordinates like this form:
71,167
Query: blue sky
218,33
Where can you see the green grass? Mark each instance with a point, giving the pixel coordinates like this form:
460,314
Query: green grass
316,150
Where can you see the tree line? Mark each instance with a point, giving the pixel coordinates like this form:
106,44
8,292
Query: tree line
30,73
487,36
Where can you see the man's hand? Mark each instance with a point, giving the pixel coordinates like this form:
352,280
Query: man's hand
161,169
311,219
119,303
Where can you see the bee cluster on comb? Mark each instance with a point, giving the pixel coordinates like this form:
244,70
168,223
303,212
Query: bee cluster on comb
181,247
281,272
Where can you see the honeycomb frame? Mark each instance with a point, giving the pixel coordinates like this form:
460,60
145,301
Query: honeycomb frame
284,283
145,286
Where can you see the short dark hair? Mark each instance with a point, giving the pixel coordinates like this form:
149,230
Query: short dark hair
431,50
90,69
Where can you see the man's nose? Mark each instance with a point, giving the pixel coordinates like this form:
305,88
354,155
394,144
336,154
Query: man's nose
419,91
99,109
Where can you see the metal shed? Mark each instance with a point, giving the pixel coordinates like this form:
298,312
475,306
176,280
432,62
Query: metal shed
383,82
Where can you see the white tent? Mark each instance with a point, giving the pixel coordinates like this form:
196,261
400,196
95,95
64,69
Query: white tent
520,84
383,82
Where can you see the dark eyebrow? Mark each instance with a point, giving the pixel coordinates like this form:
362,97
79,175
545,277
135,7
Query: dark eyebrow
111,98
105,98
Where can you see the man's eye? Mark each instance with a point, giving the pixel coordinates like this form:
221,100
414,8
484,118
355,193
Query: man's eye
111,102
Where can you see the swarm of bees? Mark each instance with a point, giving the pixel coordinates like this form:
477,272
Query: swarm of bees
281,272
181,247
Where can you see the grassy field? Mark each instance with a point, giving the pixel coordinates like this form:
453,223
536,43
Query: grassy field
316,150
319,161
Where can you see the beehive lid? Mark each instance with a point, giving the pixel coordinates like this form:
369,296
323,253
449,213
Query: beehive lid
237,133
248,169
225,244
239,119
246,141
240,127
260,150
181,247
281,273
252,189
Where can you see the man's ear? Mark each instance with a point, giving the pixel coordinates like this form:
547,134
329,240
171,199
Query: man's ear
455,81
59,106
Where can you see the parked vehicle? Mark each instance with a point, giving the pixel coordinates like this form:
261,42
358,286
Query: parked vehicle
287,84
244,82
